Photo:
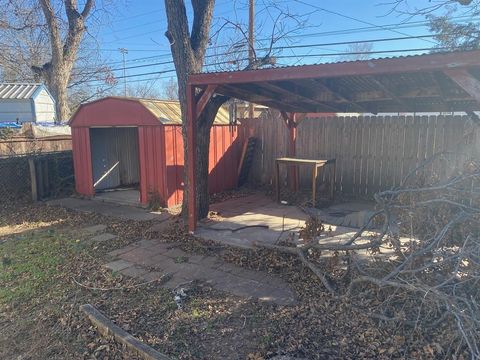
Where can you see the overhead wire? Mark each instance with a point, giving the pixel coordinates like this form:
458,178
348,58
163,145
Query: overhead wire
311,45
352,18
283,57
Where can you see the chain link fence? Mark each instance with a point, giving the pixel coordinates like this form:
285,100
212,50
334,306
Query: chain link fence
36,176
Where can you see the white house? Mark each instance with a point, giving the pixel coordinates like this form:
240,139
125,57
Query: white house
26,102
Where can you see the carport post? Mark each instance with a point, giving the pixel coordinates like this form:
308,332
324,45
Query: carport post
191,157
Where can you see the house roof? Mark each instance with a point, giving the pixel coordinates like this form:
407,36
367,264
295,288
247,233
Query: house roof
127,111
419,83
19,90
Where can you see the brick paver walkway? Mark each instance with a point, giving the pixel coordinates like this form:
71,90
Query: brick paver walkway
149,260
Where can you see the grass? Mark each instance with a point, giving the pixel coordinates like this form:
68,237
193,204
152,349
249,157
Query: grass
30,265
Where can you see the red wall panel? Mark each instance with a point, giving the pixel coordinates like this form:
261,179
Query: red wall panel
82,161
174,162
224,158
152,163
161,161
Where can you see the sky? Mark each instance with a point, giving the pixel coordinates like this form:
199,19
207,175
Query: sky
139,27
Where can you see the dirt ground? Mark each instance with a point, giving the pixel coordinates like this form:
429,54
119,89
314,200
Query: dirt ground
49,268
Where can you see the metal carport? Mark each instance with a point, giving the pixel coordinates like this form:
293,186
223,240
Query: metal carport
439,82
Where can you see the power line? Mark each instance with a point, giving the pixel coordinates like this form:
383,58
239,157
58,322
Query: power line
285,57
353,31
362,53
282,48
352,18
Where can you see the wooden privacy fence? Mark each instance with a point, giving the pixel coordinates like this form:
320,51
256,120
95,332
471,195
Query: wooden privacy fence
373,153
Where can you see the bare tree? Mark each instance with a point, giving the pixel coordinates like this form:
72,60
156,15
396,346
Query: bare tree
64,49
420,261
450,34
170,90
358,51
189,50
144,90
404,7
26,55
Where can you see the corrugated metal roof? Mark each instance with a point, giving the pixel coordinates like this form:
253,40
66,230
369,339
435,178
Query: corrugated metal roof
336,62
414,83
168,112
18,90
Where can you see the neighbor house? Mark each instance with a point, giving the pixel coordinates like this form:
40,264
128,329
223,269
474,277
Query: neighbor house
26,102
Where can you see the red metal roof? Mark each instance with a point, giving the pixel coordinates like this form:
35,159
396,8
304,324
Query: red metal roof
127,111
429,82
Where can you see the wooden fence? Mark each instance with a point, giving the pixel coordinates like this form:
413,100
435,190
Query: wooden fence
24,145
373,153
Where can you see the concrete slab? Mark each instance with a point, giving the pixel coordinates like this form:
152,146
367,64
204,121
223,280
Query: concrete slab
118,265
117,252
103,237
152,276
129,197
243,222
112,210
134,271
95,229
138,262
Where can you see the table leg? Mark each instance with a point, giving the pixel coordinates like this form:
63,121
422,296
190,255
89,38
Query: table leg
277,180
332,181
314,185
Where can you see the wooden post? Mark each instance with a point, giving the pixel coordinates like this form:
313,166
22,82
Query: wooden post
314,185
290,121
191,157
277,180
293,170
33,179
332,180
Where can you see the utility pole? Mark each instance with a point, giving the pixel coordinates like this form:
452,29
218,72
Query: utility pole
124,51
251,40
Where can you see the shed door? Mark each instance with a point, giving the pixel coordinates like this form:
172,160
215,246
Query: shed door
114,157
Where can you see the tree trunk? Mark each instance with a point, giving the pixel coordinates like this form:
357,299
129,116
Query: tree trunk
64,46
188,51
57,82
203,144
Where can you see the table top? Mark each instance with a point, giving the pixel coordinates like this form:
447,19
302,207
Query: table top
305,161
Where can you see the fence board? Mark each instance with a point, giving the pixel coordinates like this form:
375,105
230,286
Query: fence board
373,153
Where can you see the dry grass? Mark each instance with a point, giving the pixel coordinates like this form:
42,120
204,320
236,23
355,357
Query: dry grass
39,317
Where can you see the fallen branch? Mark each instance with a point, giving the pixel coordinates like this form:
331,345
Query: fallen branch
299,252
122,287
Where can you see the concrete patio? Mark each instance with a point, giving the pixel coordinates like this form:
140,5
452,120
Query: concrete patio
256,218
129,197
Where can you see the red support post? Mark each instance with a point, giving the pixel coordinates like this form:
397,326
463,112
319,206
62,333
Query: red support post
191,157
206,95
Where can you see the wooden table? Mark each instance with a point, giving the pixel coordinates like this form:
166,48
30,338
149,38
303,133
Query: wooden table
315,164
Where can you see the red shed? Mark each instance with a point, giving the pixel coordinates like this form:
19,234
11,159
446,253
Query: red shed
134,143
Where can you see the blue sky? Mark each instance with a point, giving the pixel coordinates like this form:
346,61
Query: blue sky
139,26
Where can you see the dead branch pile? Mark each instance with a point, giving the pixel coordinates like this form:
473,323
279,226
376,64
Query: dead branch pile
428,280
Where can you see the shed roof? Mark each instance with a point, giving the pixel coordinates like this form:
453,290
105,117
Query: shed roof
128,111
169,112
19,90
429,82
